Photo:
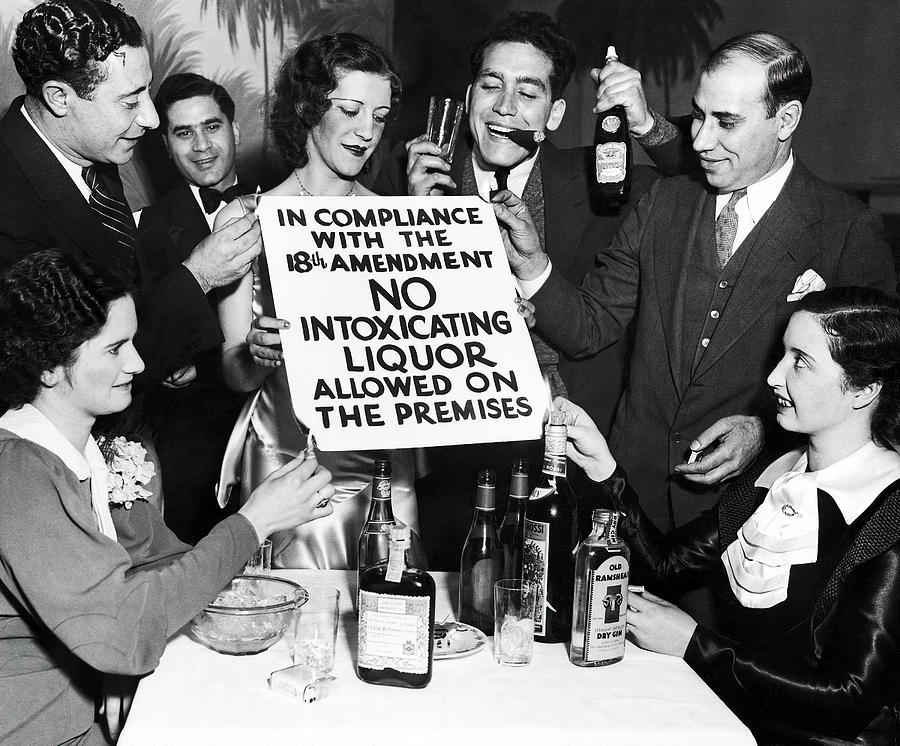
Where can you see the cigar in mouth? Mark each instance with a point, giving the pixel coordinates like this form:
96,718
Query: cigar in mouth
528,139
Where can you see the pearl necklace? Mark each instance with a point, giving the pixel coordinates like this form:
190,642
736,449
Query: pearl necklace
304,192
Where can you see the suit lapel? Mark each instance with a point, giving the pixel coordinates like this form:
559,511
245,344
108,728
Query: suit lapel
780,250
57,195
188,225
671,259
564,193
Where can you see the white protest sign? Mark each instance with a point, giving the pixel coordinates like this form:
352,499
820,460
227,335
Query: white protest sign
404,330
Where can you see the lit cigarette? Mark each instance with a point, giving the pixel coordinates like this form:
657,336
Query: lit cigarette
693,457
635,589
256,196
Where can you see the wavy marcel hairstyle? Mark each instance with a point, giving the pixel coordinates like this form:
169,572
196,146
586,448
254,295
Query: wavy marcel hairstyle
67,40
309,75
50,303
863,330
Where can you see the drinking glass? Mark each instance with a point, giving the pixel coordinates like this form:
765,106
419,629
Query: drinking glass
315,629
444,115
260,562
513,622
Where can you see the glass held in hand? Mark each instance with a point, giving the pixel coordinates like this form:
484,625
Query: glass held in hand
260,562
513,622
444,115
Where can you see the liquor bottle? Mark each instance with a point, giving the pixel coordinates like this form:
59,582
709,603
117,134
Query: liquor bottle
512,530
396,619
601,594
374,538
551,535
612,154
481,564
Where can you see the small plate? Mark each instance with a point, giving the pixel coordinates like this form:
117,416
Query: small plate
457,640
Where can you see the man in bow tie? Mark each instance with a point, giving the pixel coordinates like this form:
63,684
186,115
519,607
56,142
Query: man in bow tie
87,103
193,412
706,271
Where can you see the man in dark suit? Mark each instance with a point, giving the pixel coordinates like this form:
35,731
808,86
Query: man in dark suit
192,413
519,72
86,73
708,273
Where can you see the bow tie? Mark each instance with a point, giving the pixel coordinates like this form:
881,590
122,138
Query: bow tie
211,199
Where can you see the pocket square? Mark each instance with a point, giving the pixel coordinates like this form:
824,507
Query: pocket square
808,282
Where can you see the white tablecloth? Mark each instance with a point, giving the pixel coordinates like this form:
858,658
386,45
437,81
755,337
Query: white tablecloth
198,696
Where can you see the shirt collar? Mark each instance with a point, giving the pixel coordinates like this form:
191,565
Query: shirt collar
853,482
518,176
30,423
763,193
71,168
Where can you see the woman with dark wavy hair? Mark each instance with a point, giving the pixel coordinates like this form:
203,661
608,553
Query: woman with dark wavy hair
330,103
802,553
91,580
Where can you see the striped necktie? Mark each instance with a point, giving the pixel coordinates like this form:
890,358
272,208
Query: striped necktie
108,201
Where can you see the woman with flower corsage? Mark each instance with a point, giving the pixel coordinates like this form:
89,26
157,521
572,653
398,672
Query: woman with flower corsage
91,580
803,553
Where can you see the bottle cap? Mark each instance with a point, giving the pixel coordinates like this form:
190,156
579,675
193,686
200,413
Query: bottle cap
557,417
601,514
611,53
519,466
400,533
485,492
382,467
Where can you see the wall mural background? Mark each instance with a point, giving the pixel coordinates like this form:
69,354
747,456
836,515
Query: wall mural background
849,133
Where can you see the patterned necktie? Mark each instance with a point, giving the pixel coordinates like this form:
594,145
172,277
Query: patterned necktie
726,227
108,201
211,198
500,175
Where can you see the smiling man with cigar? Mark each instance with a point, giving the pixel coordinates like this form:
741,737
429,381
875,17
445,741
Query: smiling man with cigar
519,71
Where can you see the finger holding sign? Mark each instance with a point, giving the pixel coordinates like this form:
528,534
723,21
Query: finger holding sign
527,259
264,341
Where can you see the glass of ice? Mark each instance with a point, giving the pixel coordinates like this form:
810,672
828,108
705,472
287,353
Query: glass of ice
315,629
513,622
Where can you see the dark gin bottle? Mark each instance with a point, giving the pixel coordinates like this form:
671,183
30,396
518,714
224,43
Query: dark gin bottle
512,530
551,534
396,619
612,154
481,564
601,594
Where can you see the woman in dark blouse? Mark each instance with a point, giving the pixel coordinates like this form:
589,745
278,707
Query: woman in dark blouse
802,553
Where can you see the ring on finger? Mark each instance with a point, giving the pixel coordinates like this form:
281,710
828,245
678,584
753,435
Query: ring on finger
323,502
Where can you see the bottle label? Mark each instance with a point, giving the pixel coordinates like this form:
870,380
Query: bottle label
554,465
611,159
534,568
604,631
611,123
396,562
381,488
394,632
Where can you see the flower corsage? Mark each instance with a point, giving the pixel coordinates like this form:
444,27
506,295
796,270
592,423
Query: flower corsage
128,470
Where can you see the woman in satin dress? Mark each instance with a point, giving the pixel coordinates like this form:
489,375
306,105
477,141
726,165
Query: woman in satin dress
802,553
331,101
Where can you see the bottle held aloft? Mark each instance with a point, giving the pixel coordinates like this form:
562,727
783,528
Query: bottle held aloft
512,530
481,563
551,535
612,154
396,619
601,594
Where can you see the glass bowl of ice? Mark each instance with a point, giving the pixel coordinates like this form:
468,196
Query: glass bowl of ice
249,615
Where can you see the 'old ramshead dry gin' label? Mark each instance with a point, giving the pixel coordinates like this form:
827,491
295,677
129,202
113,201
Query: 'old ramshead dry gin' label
601,595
